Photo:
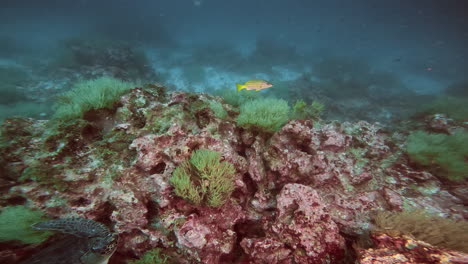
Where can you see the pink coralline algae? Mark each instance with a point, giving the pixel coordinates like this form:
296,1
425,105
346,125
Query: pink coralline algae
193,234
303,231
132,211
393,199
266,250
210,236
351,167
360,178
334,140
299,193
302,153
155,151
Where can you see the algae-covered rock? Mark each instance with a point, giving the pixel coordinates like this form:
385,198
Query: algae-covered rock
298,191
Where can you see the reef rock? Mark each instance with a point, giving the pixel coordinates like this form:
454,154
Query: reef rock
303,231
298,193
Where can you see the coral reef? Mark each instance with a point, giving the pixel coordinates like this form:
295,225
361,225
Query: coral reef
302,191
303,231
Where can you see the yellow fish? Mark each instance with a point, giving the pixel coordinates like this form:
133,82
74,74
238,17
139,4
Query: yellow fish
256,85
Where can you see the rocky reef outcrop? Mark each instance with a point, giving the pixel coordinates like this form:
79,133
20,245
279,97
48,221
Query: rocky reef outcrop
304,194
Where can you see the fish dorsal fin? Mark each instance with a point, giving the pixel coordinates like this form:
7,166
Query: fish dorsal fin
254,81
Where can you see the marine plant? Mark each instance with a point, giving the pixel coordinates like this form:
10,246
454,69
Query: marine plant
237,98
266,114
435,230
15,225
204,179
153,256
90,94
443,154
303,111
218,109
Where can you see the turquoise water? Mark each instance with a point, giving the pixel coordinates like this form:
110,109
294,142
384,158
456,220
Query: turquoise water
393,53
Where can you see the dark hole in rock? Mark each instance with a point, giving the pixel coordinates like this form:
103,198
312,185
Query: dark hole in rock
245,229
153,210
105,215
102,119
203,118
250,229
80,202
16,200
90,133
304,147
251,185
158,169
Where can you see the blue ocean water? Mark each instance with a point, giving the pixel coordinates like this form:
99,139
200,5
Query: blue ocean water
395,50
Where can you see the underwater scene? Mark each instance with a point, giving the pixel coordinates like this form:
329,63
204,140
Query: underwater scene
216,131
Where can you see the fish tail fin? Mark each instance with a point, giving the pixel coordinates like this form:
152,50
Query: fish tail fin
240,87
